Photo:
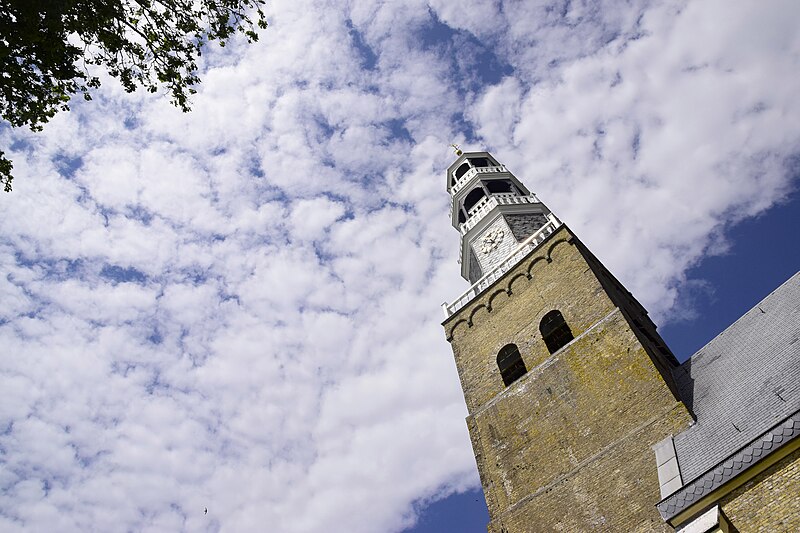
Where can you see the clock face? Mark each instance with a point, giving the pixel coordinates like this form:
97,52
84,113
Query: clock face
492,240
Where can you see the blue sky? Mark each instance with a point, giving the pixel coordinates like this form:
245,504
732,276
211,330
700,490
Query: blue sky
238,308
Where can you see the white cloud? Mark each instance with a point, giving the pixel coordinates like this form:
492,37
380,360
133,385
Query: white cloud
310,218
663,139
238,307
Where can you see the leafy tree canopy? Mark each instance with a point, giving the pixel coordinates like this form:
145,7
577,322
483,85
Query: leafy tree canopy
48,46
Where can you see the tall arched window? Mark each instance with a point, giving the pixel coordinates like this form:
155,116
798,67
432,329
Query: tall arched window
474,196
555,331
460,171
511,365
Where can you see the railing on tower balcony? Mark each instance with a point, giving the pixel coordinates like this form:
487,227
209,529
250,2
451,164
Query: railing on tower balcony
471,172
504,266
488,203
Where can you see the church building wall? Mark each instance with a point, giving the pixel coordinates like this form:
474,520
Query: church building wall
769,502
567,446
477,334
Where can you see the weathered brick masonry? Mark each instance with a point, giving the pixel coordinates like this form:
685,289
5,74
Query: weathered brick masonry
770,502
567,446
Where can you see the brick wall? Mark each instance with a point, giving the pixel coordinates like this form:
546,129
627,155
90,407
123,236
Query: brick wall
566,447
770,502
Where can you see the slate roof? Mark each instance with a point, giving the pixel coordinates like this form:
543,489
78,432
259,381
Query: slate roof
742,383
754,452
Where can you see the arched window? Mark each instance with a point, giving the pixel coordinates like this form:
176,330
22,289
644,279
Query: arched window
473,198
460,171
555,331
511,365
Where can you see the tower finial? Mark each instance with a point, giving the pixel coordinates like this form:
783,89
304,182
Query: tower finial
457,149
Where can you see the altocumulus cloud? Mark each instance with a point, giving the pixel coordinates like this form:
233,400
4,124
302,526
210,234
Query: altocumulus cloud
237,308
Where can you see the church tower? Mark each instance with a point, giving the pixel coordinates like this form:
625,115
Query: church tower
568,385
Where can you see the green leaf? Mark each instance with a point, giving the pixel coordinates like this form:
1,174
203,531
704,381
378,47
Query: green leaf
135,41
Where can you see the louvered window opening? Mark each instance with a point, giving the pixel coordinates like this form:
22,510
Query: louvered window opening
555,331
511,365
